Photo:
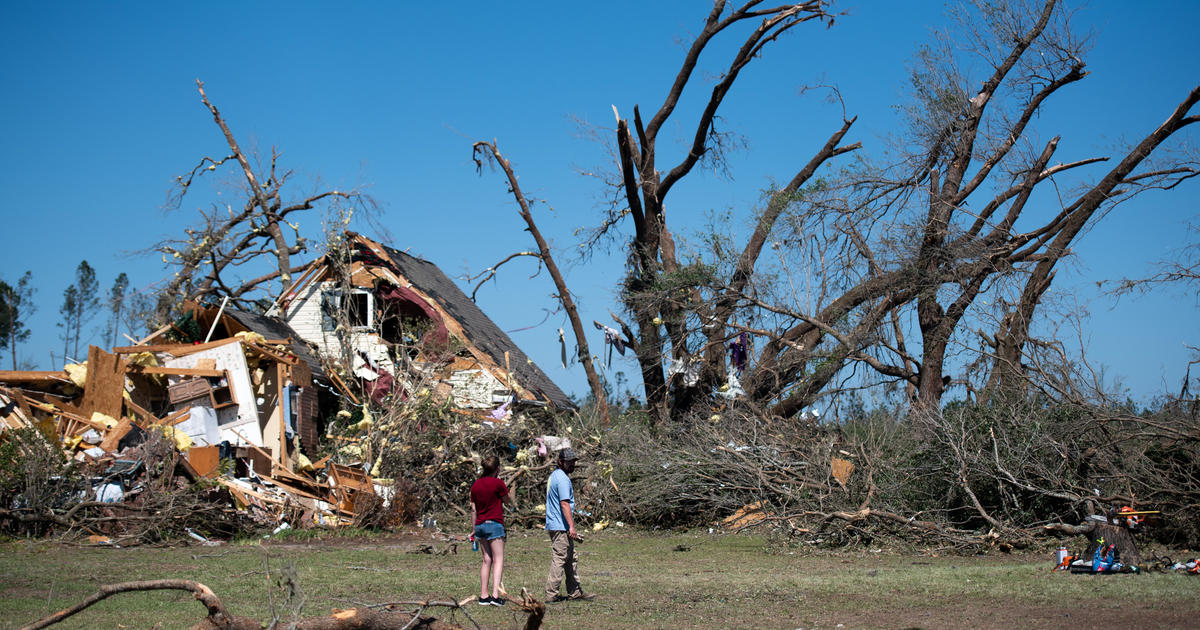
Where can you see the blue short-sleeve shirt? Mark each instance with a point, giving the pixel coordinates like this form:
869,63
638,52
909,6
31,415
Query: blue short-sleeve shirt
558,489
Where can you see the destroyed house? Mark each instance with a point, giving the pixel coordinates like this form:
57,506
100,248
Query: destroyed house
404,325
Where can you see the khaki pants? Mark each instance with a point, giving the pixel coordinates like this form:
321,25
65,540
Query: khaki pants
562,560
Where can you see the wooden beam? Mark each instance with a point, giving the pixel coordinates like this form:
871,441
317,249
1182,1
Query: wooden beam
290,360
147,417
113,437
33,376
174,371
175,349
105,386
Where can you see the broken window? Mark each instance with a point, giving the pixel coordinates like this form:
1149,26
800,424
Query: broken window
358,307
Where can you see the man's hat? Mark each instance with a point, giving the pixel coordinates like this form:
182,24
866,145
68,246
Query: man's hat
567,455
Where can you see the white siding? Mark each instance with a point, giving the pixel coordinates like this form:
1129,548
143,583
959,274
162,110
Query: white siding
306,319
472,389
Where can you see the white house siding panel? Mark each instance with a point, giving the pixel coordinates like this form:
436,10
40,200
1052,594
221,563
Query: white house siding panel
304,315
236,422
472,389
306,319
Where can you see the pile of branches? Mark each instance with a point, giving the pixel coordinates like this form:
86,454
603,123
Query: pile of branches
43,493
999,474
431,452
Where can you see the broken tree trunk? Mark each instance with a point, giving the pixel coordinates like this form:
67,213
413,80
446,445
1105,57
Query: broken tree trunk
1114,533
408,615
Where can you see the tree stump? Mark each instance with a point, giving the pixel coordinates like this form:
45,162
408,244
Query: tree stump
1114,531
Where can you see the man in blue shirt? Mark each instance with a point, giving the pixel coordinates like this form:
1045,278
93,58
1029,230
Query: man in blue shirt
560,502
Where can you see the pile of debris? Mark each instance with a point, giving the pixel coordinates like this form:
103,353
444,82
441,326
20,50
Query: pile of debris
236,411
373,360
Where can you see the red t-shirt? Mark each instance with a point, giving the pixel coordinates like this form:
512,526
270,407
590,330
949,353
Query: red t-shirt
486,494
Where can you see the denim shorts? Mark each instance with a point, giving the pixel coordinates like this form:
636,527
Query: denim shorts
489,530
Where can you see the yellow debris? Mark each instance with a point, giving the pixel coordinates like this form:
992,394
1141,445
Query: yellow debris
183,442
842,469
745,515
77,373
108,421
252,337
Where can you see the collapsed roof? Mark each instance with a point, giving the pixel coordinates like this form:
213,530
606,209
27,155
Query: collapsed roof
394,286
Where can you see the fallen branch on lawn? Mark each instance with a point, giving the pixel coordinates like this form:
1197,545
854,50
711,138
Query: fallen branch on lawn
388,616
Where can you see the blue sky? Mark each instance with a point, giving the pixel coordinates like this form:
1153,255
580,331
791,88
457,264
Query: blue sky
99,113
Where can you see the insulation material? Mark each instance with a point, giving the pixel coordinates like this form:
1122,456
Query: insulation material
842,469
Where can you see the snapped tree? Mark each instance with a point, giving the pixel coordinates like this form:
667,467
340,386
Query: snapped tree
950,229
237,252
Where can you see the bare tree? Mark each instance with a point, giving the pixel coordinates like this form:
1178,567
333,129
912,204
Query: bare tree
650,295
210,259
488,151
912,245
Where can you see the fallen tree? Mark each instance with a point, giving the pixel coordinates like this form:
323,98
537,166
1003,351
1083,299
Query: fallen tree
399,615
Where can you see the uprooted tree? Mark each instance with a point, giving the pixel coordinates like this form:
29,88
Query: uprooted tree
952,237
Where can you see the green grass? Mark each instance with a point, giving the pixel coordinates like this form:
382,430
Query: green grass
640,578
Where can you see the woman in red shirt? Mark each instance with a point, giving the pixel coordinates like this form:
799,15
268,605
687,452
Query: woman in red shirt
488,494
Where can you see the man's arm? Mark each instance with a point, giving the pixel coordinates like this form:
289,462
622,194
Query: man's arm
568,518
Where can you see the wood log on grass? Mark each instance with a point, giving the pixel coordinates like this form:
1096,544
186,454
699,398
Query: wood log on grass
403,615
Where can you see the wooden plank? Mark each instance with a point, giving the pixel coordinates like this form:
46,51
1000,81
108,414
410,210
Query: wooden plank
237,494
22,404
74,422
113,437
283,419
176,417
261,496
15,417
174,349
150,336
263,350
104,389
204,459
313,272
342,386
147,417
175,371
290,489
33,376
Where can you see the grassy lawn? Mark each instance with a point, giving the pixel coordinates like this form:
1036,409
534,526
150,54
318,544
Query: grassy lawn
642,580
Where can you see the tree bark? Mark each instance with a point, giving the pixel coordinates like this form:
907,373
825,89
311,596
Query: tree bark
560,283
